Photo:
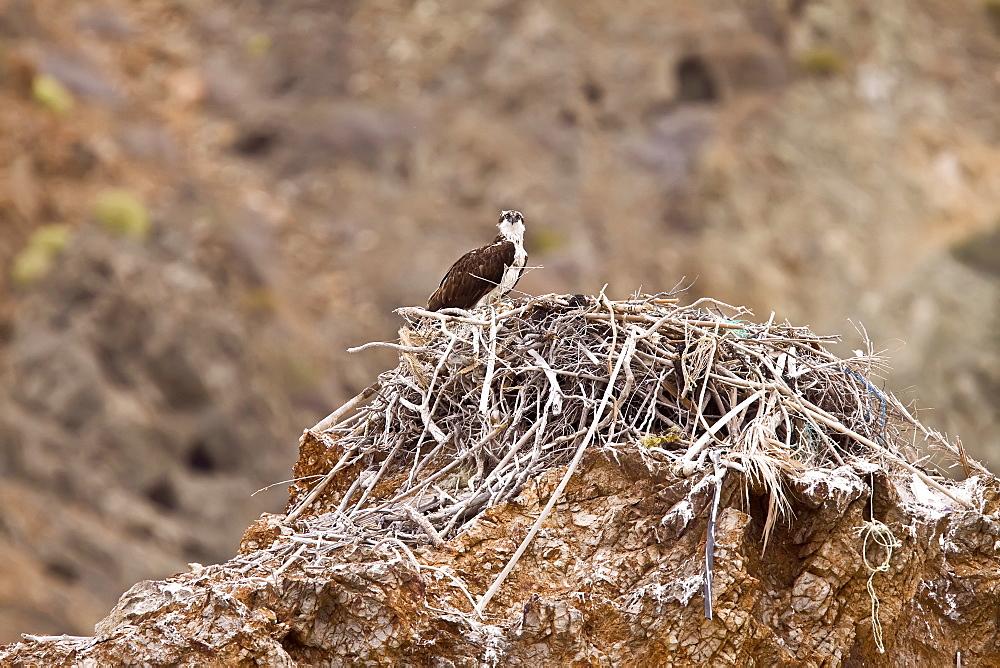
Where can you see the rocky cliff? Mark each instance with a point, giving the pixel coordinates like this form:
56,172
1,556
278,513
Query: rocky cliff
203,204
576,481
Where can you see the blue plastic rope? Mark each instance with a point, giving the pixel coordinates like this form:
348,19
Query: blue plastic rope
873,390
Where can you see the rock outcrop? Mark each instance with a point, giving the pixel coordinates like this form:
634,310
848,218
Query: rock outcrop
389,555
614,578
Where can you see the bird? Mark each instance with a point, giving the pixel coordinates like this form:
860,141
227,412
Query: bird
487,273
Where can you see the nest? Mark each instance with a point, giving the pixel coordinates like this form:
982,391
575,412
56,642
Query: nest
483,401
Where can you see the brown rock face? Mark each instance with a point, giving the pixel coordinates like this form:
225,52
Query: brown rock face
117,401
615,578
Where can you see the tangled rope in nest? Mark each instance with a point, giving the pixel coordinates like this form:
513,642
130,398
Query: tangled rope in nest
483,401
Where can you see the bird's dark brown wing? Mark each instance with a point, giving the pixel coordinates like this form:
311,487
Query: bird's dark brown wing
472,276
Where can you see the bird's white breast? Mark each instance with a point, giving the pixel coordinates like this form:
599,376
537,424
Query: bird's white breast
510,275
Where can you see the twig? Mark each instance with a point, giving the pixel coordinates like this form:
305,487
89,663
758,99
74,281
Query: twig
411,311
554,404
288,562
385,344
455,463
686,466
491,360
422,522
331,419
719,472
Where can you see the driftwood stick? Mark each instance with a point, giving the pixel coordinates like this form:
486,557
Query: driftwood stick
444,317
385,344
491,361
424,525
331,419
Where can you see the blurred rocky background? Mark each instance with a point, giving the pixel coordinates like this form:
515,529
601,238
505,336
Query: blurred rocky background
203,203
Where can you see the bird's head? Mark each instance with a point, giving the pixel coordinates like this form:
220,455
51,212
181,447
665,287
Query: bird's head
511,225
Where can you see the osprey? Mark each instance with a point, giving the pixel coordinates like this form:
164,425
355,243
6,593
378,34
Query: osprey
487,273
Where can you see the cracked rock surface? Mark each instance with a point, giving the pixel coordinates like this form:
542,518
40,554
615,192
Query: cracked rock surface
614,578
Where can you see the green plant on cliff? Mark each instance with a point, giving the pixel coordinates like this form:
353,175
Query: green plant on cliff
122,212
51,94
821,61
38,256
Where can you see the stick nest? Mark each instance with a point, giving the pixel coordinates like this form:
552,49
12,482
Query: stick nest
483,401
